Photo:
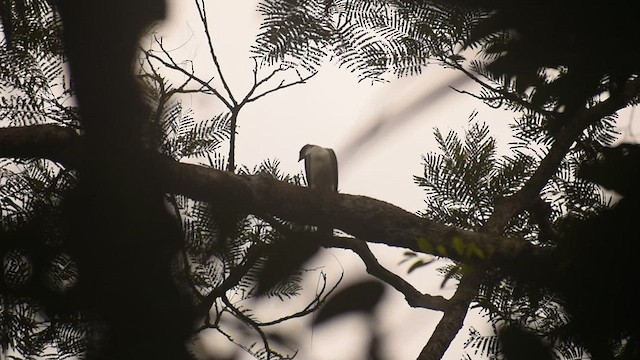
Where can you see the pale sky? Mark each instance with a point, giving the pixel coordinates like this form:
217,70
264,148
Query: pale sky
331,110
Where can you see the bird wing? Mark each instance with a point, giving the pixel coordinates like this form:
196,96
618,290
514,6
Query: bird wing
307,169
334,163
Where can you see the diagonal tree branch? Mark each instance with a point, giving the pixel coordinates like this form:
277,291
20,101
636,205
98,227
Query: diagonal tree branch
452,319
367,219
567,136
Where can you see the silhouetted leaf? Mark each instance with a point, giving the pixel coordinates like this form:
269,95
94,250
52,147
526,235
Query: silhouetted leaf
616,168
418,264
287,258
519,344
361,297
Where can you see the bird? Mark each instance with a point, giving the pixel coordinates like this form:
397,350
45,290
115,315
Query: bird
321,167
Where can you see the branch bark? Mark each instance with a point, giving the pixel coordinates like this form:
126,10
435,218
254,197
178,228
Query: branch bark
413,297
367,219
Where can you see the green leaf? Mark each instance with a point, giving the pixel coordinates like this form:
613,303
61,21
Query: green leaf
473,250
442,250
458,245
425,246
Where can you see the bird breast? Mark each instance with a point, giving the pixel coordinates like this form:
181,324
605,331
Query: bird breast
321,169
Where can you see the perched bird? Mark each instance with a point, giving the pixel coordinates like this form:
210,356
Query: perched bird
321,167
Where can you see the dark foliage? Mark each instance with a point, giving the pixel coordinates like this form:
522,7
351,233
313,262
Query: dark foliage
24,25
520,344
122,235
287,255
370,38
599,253
40,300
577,39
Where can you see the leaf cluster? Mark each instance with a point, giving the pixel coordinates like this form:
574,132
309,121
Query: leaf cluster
557,56
463,183
173,128
30,24
31,65
525,42
38,308
370,38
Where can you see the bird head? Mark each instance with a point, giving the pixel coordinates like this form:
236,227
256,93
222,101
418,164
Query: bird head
306,150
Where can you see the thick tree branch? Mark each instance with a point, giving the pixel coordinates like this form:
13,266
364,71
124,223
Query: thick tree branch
367,219
51,142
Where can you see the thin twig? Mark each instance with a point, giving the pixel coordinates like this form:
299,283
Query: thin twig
311,307
505,94
500,99
256,82
247,320
235,275
205,85
202,11
281,86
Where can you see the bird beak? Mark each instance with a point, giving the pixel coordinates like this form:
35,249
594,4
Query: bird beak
301,157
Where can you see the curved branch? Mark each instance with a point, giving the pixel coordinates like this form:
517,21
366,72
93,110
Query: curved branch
413,297
235,275
314,305
251,323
